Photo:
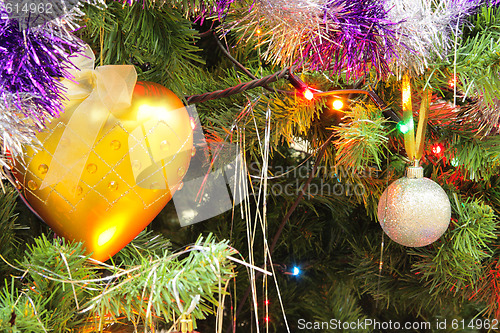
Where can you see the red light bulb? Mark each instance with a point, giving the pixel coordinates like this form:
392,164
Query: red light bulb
437,149
452,82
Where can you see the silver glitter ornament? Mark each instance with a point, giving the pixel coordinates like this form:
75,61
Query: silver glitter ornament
414,211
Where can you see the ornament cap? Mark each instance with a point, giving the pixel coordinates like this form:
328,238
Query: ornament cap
415,172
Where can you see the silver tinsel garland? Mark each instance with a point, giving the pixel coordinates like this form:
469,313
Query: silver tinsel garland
21,115
426,30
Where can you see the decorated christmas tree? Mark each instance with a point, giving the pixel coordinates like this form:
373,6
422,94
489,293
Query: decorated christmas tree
249,166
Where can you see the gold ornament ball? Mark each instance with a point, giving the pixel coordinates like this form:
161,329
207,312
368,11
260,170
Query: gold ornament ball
136,164
414,211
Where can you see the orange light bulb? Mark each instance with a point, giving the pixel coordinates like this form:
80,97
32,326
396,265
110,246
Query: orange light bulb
338,104
308,94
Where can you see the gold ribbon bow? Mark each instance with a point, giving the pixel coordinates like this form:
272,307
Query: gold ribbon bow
103,91
414,145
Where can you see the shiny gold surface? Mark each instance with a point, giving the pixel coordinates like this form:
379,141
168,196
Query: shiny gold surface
129,176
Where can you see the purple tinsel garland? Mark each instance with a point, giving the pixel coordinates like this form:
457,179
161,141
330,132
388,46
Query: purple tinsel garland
355,35
358,35
32,62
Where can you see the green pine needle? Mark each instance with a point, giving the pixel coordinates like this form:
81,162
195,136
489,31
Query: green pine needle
362,140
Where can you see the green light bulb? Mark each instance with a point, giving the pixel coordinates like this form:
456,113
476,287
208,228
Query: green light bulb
403,127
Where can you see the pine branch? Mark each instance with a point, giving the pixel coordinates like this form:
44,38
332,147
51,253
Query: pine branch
334,300
145,245
487,292
478,159
158,39
65,292
9,241
52,265
19,312
362,139
455,264
396,290
477,62
164,286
